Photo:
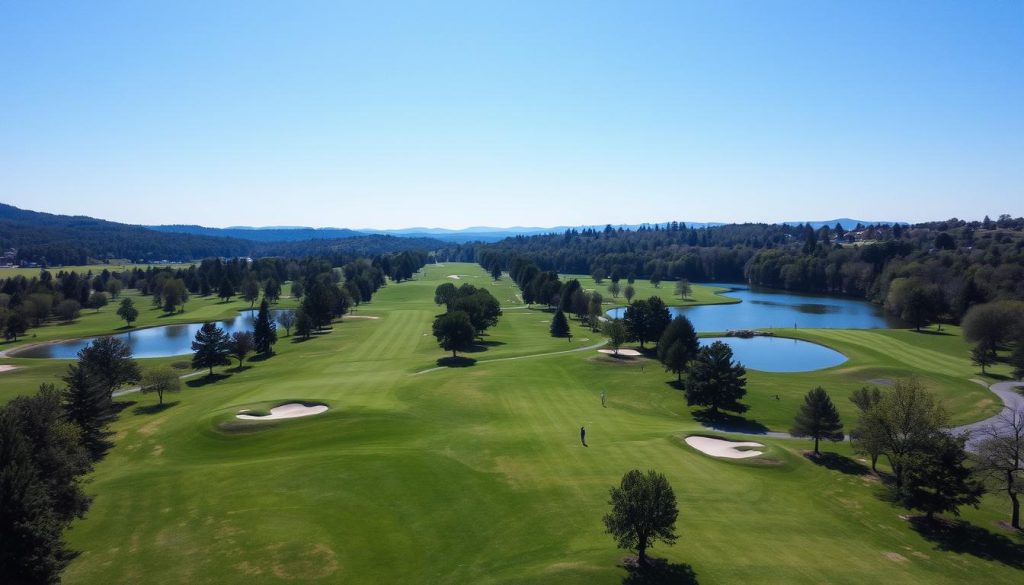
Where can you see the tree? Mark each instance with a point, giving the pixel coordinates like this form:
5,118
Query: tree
1017,360
68,310
454,332
818,419
560,325
445,294
319,303
629,293
240,345
1000,458
210,347
937,479
88,404
866,438
994,323
127,311
303,324
614,289
905,421
496,272
616,332
646,320
161,381
33,551
14,325
683,288
914,301
108,360
175,294
227,290
297,289
598,274
715,381
114,287
643,511
250,291
678,345
272,290
481,306
983,355
264,334
286,319
97,301
656,279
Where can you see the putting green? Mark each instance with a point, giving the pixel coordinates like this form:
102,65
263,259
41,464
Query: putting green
477,475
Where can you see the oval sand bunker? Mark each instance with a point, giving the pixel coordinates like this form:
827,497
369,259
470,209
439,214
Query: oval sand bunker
723,448
290,410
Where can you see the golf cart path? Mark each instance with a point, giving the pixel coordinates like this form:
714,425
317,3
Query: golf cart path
1012,399
522,357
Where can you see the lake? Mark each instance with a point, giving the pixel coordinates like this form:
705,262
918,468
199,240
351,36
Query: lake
779,354
163,341
764,309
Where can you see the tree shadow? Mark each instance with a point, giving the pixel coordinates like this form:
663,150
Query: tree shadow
960,536
659,572
479,346
455,362
729,423
207,379
261,357
122,405
154,408
240,369
837,462
931,332
1001,377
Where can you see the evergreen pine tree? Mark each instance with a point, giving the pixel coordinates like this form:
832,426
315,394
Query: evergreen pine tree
559,325
818,419
211,348
265,332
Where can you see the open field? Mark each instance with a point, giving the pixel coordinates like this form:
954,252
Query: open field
115,266
476,475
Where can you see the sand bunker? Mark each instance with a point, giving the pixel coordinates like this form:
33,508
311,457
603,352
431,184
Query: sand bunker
455,276
7,368
723,448
290,410
360,317
625,352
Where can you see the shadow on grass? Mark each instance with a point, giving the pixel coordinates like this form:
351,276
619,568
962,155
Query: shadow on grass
1000,377
837,462
122,405
207,379
931,332
155,408
240,369
479,346
729,423
455,362
261,357
965,538
659,572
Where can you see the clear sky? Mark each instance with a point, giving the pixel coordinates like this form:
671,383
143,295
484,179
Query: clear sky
383,114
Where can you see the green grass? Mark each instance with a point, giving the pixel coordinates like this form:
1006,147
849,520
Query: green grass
476,474
114,266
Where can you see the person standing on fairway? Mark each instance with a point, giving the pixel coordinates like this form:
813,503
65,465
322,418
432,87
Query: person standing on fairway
603,397
583,436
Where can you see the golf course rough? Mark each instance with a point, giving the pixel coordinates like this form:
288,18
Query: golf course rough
476,474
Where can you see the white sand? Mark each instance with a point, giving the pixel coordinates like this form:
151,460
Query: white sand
455,276
291,410
7,368
723,448
626,352
359,317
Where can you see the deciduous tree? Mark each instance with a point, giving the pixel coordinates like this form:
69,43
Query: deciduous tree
160,380
644,511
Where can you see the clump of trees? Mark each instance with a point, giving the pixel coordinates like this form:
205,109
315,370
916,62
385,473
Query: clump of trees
454,332
48,443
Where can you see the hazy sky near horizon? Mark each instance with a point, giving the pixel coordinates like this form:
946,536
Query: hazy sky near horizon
453,114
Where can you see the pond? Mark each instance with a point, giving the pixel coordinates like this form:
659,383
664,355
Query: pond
779,354
152,342
763,308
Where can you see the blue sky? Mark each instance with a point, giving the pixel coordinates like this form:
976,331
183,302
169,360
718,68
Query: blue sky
512,113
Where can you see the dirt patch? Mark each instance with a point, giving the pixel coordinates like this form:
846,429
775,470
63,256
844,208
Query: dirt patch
316,562
895,557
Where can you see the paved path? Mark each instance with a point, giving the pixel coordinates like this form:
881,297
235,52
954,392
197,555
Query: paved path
1012,399
133,389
